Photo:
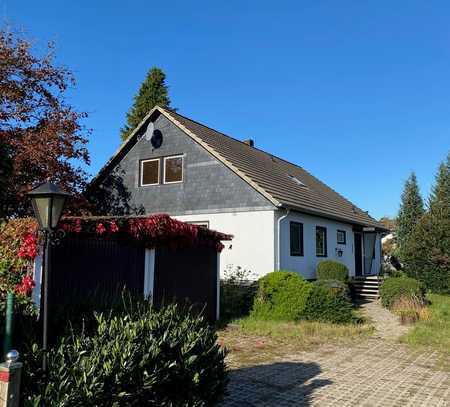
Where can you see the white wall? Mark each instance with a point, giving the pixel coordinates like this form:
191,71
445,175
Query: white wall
306,264
253,245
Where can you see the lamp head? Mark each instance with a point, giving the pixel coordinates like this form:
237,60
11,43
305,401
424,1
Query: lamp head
48,202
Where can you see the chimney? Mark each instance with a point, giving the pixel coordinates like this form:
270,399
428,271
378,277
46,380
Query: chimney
250,142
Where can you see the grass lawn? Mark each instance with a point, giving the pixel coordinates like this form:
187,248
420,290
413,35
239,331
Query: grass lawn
435,332
251,341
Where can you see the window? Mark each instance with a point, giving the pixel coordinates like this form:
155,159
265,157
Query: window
173,169
150,172
201,223
321,241
296,238
341,237
297,181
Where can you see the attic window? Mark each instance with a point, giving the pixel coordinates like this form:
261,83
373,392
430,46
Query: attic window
150,172
173,169
297,181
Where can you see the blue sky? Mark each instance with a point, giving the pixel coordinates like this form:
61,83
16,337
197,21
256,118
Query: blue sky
358,93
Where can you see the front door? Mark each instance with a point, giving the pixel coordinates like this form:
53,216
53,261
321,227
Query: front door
358,254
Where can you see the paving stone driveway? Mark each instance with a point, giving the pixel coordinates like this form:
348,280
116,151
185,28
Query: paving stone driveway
376,372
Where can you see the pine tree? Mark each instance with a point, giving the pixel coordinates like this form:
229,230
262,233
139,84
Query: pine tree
411,210
427,250
439,200
152,92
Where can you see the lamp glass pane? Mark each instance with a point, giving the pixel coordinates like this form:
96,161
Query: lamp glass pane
41,205
58,205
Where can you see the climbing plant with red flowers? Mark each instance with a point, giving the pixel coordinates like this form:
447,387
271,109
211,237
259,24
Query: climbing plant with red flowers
18,248
19,241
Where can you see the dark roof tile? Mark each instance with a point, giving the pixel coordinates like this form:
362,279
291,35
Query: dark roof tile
274,175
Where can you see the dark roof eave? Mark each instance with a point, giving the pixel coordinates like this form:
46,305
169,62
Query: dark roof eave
308,211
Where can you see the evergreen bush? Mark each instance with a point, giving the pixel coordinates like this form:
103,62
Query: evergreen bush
332,270
326,305
282,295
286,296
140,358
394,288
335,287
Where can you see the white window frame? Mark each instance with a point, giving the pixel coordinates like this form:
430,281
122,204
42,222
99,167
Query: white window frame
325,243
202,223
182,169
142,171
344,234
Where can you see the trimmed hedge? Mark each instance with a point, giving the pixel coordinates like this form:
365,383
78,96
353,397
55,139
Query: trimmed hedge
332,270
286,296
324,305
140,358
282,295
336,287
394,288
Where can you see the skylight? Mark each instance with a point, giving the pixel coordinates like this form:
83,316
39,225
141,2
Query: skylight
297,181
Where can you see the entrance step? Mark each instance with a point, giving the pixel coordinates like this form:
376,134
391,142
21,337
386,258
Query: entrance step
366,287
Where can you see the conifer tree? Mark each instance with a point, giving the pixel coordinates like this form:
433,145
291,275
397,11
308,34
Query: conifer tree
152,92
427,251
440,194
411,210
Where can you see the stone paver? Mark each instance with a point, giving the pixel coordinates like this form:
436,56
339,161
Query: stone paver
376,372
386,324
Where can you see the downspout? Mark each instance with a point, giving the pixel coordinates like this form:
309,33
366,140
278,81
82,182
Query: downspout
279,238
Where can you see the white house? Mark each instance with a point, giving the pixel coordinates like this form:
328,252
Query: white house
281,216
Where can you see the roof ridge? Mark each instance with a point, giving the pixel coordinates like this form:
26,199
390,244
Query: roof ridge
230,137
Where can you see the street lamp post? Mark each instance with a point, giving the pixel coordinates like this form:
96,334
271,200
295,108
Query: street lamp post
48,202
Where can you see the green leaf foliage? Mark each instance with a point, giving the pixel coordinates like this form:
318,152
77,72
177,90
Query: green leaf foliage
328,305
394,288
411,210
440,194
285,296
336,287
426,252
140,358
152,92
282,295
332,270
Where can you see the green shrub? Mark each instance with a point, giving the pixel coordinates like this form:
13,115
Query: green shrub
140,358
281,295
328,305
394,288
237,293
332,270
236,300
336,287
426,252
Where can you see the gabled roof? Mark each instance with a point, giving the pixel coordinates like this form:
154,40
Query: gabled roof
281,182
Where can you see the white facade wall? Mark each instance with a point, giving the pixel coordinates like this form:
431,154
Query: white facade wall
253,244
306,264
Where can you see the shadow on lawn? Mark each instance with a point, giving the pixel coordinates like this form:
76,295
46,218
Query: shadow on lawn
284,383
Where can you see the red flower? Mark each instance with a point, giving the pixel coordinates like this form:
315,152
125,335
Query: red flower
100,229
26,286
113,227
28,250
77,228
